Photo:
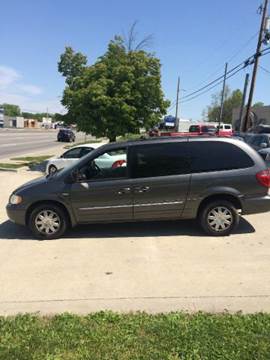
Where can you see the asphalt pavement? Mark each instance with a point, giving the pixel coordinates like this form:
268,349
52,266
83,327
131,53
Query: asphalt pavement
18,142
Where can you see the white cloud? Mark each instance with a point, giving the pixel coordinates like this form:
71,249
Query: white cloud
29,89
14,90
8,76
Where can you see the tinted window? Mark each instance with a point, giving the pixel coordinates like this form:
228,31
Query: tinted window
160,160
227,127
216,156
207,129
257,140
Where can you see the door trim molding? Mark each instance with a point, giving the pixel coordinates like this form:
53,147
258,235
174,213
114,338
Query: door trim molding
129,206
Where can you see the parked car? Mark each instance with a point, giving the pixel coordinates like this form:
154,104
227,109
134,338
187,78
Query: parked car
201,129
70,156
225,130
76,153
210,179
259,141
66,135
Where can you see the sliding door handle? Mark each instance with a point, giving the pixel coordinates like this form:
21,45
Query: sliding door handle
142,189
123,191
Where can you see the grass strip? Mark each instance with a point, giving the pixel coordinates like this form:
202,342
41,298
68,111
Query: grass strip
12,166
35,159
109,336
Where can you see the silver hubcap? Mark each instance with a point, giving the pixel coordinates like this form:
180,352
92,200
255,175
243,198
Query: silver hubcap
220,218
47,222
52,169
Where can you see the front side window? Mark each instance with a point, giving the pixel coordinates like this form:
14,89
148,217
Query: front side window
109,165
160,160
217,156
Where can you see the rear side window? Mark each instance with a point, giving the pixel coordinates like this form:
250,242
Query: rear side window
160,160
217,156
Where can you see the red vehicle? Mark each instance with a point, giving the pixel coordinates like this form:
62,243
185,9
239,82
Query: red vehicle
194,130
201,129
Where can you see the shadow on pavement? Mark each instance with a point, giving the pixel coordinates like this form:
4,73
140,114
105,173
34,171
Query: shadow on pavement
10,231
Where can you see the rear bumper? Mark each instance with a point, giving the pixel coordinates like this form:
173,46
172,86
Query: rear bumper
16,214
256,205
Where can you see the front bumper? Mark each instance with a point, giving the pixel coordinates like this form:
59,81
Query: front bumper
256,205
16,214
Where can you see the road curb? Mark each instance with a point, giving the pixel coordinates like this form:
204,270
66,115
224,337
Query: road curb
8,170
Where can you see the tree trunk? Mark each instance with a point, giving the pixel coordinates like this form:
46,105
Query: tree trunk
112,138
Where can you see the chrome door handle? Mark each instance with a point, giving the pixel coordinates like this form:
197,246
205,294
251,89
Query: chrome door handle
123,191
142,189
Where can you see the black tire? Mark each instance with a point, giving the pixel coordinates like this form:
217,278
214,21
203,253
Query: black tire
219,218
60,218
52,169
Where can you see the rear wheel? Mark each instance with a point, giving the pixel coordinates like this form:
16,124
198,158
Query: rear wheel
48,221
219,218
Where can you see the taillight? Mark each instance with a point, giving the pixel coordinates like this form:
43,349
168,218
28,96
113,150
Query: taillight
264,178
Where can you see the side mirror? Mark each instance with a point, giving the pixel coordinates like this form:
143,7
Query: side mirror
263,145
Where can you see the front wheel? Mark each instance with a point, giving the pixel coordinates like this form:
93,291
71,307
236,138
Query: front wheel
219,218
52,169
48,221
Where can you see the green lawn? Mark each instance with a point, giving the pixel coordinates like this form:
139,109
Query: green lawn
11,166
36,159
107,336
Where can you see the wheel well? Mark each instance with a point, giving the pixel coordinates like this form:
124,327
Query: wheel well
50,202
233,199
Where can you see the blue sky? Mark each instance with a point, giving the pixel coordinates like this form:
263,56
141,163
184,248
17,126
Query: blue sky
192,39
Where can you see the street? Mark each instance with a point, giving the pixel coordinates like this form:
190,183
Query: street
20,142
155,267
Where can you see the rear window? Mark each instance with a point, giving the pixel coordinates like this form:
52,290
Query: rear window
160,160
194,128
217,156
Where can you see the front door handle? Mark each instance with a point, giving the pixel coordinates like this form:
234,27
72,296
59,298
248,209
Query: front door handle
142,189
123,191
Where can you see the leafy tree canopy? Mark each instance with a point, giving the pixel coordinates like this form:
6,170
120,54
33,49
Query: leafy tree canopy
11,110
258,104
118,94
232,100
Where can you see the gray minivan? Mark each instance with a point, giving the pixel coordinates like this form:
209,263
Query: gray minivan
211,179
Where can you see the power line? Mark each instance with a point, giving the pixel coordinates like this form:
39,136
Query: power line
264,69
212,87
219,80
214,81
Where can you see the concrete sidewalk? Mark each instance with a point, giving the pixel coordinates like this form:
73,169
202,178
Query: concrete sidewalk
155,267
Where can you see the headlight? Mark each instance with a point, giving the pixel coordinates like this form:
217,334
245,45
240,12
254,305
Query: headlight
15,199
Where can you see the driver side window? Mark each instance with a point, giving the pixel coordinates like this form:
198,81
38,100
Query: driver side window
109,165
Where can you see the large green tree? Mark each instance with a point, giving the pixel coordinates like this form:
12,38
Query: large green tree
11,110
118,94
232,100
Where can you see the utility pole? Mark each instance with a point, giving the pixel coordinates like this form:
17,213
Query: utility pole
243,102
177,105
256,63
222,97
